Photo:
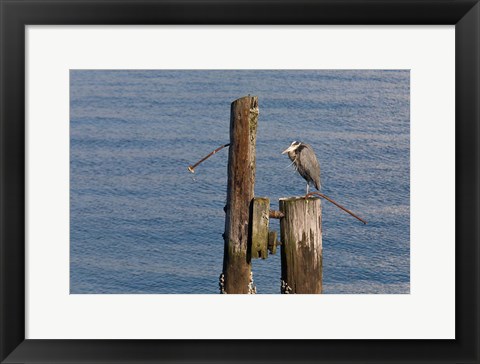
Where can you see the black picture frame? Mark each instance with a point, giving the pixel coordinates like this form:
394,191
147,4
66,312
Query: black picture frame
15,15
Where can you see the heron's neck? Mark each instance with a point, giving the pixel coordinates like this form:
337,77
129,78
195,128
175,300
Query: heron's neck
293,156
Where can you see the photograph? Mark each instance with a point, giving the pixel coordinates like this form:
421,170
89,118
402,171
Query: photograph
149,169
159,157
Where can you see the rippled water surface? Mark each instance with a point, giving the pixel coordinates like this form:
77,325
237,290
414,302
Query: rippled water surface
141,223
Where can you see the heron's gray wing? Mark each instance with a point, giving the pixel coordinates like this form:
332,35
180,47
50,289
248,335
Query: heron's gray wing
308,165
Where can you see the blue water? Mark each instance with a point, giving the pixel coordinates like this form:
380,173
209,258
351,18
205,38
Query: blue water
141,223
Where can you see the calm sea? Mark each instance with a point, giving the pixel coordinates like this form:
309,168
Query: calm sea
141,223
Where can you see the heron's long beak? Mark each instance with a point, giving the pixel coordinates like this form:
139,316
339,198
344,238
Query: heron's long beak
289,149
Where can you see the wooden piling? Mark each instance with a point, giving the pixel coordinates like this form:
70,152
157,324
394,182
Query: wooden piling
272,242
301,250
259,223
240,192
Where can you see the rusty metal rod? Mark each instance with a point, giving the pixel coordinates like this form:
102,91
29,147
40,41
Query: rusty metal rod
274,214
192,168
336,204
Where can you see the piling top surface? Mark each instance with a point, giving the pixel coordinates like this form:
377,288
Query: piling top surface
296,198
245,97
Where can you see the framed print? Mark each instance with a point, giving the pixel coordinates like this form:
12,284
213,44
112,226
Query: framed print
121,125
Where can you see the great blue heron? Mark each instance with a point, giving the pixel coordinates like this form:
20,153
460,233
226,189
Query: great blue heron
305,161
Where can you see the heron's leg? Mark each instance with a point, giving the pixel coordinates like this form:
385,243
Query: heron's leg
307,188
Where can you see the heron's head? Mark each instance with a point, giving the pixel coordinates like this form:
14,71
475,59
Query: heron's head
292,147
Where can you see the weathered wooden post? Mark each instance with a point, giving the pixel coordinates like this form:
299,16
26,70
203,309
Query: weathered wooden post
240,192
259,223
301,236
